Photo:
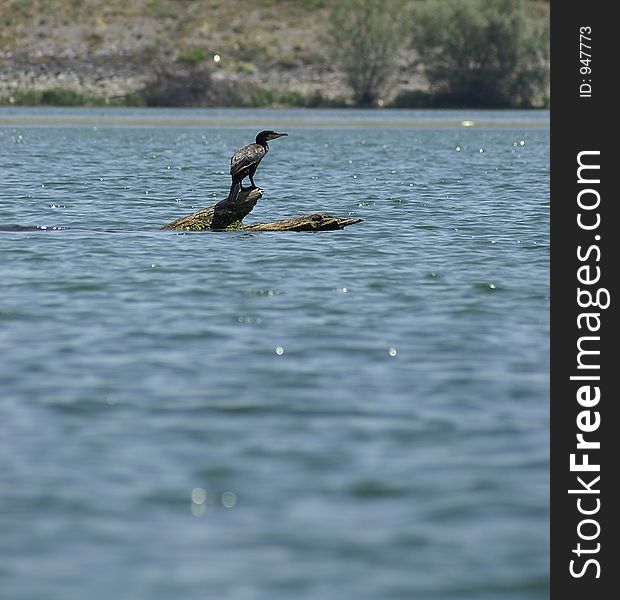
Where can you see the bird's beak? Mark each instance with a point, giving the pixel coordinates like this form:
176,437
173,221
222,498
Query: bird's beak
280,135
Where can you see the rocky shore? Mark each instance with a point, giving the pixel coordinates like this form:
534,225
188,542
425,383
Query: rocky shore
190,53
140,51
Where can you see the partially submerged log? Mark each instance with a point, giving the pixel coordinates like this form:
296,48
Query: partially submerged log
313,222
223,215
228,215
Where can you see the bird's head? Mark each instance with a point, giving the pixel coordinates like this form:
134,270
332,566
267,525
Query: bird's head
264,136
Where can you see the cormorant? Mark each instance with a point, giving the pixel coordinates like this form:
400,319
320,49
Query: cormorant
245,160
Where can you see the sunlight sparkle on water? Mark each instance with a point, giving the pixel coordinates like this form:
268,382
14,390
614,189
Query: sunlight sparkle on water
199,495
229,499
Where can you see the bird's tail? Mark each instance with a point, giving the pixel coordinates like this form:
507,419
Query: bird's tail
235,188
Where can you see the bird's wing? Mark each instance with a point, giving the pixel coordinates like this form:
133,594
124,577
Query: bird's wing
246,157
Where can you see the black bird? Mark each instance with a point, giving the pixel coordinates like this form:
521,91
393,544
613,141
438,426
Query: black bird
245,160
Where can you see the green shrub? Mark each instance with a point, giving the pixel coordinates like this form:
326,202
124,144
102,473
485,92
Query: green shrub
415,99
482,52
62,97
364,37
192,56
53,97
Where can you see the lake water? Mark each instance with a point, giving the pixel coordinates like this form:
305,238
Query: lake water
358,415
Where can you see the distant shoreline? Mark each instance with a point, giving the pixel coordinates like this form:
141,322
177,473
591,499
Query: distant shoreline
208,53
245,117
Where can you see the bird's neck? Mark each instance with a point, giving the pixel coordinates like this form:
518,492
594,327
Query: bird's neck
262,141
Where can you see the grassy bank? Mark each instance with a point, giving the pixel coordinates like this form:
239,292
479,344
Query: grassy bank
257,99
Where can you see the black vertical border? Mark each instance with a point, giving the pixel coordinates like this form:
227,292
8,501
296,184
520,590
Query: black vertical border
579,124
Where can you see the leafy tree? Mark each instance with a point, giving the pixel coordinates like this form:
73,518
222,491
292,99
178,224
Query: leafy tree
364,37
482,52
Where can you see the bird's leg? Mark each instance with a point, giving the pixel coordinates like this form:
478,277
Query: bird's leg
252,182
